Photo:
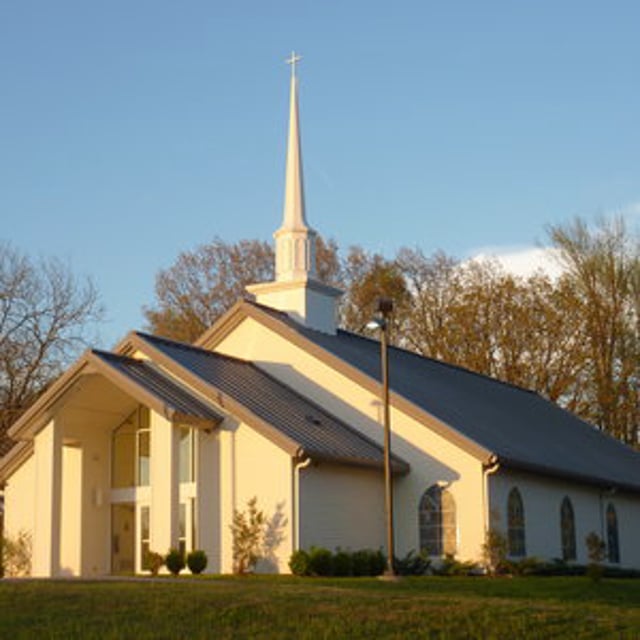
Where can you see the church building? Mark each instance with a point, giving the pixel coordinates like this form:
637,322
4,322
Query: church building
155,444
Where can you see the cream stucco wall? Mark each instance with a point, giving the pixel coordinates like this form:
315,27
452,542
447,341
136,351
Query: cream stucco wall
71,507
19,499
164,485
433,458
251,465
542,497
341,506
208,498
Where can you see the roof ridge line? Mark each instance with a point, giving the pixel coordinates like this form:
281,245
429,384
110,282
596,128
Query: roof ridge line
438,361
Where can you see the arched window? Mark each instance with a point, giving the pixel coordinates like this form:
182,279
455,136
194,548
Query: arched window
567,530
613,546
437,517
515,522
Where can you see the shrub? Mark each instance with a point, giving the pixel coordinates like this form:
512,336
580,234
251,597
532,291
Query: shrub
366,562
494,552
153,561
16,555
412,564
377,562
342,563
197,561
247,529
300,563
529,566
449,566
596,551
320,561
174,561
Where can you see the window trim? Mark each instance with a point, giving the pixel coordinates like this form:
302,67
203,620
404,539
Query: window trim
437,525
568,543
516,524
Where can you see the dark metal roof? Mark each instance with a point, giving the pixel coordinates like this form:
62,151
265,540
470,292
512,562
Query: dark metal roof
519,426
178,399
320,434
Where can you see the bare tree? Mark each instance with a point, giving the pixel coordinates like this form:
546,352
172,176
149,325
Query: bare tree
202,284
603,267
44,315
368,277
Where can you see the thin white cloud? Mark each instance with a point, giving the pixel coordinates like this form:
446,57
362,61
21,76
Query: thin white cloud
522,261
631,211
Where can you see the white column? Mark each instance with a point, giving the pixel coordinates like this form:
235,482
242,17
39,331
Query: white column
208,498
48,492
164,484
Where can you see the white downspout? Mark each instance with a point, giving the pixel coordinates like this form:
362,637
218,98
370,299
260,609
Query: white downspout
488,468
302,463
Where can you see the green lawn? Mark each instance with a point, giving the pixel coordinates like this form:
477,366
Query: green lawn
286,607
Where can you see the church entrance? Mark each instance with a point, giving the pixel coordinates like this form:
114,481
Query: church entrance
123,548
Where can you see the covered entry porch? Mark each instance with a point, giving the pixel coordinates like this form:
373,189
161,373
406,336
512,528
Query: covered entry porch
106,470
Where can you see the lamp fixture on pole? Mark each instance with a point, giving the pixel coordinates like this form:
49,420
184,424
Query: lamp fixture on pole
381,322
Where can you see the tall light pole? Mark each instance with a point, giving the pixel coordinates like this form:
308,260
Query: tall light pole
384,309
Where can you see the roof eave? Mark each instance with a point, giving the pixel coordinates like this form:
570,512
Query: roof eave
398,467
602,483
37,413
149,399
13,459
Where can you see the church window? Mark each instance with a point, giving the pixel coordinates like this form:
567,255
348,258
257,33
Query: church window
182,529
516,524
613,545
437,520
187,454
567,530
131,451
145,537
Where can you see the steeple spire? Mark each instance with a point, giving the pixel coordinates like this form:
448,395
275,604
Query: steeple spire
296,290
295,240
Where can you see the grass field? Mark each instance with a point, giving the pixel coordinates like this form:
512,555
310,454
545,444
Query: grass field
286,607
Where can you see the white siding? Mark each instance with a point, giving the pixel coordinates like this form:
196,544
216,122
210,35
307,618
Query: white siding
542,497
341,506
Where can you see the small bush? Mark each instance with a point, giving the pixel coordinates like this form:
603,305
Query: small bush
342,563
377,562
320,561
529,566
197,561
367,562
596,550
248,532
494,552
449,566
174,560
16,555
412,564
153,561
361,563
300,563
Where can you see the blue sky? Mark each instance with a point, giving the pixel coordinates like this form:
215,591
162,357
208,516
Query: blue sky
133,130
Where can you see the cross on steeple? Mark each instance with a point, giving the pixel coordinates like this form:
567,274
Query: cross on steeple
292,61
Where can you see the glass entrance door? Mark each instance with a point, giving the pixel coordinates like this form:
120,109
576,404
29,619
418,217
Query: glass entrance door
123,530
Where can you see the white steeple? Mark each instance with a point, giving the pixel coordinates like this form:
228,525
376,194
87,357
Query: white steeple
296,289
295,240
